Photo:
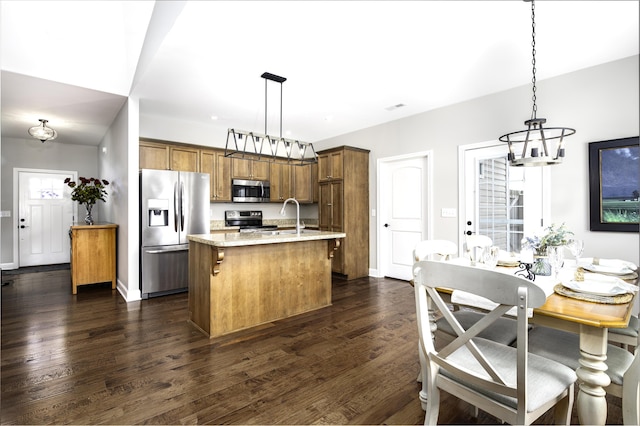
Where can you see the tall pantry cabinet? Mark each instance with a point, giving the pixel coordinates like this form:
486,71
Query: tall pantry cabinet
343,202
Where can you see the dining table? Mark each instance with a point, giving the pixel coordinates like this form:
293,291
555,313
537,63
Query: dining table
591,320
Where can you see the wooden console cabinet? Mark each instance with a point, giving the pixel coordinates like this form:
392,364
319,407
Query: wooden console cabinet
93,254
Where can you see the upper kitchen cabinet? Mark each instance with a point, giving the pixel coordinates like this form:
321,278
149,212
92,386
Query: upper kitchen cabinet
218,166
166,156
184,159
330,165
343,206
289,181
304,182
249,169
154,155
281,182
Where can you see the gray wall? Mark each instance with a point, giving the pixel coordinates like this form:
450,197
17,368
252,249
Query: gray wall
33,154
601,103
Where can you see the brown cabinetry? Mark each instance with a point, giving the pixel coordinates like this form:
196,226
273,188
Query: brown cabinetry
190,158
281,182
154,155
302,183
249,169
289,180
330,165
218,166
165,156
184,159
93,254
343,201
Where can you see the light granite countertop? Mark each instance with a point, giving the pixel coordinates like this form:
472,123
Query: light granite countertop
237,239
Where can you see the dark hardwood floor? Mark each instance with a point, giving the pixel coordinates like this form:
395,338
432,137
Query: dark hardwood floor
94,359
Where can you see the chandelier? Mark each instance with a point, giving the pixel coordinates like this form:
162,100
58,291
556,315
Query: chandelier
264,147
542,145
42,132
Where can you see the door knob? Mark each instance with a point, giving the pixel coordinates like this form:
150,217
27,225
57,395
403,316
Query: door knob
386,225
23,226
468,232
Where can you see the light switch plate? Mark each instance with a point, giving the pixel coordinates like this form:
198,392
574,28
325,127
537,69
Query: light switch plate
449,212
5,213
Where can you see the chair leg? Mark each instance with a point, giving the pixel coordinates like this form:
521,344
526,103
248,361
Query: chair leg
433,405
562,412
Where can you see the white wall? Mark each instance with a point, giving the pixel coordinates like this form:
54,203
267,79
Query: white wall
601,103
115,153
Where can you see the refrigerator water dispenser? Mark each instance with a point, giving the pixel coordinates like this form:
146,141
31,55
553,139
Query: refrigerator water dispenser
158,212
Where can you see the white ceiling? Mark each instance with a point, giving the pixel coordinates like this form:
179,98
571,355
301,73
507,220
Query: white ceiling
346,62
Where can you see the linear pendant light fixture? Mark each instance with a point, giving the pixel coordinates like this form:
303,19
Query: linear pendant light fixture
42,132
542,145
264,147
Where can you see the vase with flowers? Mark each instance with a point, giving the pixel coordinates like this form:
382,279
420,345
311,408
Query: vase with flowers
550,236
86,192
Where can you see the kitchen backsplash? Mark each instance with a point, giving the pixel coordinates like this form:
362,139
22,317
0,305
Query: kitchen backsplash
281,223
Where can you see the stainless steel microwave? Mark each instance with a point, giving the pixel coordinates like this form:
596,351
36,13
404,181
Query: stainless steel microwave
250,191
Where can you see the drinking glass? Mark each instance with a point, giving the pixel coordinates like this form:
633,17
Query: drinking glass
555,255
490,256
576,247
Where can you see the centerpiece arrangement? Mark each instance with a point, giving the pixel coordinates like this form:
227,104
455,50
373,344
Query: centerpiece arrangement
87,192
550,236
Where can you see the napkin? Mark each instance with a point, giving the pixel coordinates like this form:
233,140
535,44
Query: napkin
616,266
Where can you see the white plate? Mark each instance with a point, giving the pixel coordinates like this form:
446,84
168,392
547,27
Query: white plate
599,286
606,269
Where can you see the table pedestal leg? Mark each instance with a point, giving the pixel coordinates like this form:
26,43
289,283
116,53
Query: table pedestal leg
591,402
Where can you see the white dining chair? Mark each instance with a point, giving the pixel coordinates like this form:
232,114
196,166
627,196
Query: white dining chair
626,336
475,244
623,367
434,250
508,383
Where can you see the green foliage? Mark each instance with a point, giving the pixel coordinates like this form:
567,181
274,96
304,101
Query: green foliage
88,191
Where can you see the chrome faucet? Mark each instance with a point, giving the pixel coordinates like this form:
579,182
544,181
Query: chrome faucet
298,227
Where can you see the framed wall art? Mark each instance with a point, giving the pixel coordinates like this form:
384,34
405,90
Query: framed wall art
614,185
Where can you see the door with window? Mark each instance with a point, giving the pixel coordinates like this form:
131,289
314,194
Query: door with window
502,202
44,217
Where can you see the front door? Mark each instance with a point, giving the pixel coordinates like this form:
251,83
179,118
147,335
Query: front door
44,217
404,206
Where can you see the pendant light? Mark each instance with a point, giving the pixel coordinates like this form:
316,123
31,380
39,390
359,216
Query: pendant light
542,145
264,147
42,132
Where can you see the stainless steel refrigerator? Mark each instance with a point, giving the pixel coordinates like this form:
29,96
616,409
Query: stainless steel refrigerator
172,205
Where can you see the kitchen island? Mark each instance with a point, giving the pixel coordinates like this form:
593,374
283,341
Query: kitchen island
240,280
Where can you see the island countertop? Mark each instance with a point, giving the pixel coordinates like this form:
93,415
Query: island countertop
238,239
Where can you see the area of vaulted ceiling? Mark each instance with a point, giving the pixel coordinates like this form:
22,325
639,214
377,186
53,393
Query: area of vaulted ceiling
347,63
91,44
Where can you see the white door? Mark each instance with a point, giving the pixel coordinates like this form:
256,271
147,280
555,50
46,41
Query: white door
404,203
44,216
499,201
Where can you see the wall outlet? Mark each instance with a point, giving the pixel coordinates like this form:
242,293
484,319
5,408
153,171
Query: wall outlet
449,212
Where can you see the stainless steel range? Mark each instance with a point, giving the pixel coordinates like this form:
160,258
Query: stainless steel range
247,220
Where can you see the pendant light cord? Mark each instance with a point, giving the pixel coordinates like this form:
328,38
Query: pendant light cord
533,54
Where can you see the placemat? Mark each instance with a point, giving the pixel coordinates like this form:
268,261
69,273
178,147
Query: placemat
609,300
